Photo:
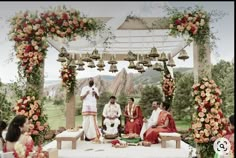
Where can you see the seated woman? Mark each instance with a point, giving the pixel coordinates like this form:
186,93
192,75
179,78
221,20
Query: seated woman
133,118
3,126
230,134
165,123
17,133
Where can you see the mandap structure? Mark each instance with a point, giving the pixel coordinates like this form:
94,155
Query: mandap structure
150,42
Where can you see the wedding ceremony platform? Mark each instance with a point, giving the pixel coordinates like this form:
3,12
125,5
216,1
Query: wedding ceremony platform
86,149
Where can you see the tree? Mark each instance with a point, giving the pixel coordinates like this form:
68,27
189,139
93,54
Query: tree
148,95
122,100
223,75
182,101
103,99
5,105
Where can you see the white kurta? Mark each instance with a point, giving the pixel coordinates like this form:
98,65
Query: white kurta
90,101
150,122
111,110
89,112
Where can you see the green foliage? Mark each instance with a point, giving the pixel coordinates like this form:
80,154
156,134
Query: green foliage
5,106
122,100
223,75
182,101
148,95
103,99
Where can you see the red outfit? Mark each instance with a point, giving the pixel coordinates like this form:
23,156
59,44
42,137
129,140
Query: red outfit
136,125
152,134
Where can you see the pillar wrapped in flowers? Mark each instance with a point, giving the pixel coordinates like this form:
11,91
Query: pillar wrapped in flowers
209,122
29,31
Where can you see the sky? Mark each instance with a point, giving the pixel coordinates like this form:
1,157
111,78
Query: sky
8,69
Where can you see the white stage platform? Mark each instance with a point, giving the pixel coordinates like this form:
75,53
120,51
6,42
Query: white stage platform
89,150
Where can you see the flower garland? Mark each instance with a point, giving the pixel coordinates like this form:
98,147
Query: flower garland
68,76
208,122
192,24
31,108
168,86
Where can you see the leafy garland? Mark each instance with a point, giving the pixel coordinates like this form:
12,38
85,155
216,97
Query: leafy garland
208,122
29,31
68,76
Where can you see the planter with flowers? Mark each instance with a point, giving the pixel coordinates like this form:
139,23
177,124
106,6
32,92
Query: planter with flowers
209,122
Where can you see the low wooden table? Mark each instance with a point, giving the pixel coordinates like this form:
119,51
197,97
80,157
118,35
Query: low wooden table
170,136
69,136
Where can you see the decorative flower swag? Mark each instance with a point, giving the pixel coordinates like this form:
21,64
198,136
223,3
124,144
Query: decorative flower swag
29,31
31,108
68,76
209,122
192,24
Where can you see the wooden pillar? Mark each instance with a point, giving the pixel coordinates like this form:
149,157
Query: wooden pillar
70,112
41,88
201,63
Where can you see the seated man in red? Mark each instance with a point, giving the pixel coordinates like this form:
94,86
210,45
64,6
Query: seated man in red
165,123
133,118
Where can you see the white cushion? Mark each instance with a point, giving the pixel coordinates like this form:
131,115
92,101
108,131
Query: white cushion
173,134
7,155
70,134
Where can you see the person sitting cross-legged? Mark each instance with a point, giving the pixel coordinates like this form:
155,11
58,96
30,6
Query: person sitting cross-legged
152,121
111,113
165,123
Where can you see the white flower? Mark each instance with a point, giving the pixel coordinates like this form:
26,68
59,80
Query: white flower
85,20
171,26
190,18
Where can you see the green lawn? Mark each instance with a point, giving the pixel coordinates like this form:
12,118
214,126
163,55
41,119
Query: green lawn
56,118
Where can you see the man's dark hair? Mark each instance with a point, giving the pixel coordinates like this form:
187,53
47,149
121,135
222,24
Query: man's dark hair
132,99
112,97
231,119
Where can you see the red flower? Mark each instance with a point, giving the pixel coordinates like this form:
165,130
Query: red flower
184,20
28,48
114,142
65,16
177,22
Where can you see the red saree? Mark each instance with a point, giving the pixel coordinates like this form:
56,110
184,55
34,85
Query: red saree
152,134
135,125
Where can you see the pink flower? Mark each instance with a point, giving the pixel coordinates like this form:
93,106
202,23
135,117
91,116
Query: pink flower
41,128
35,132
202,86
35,117
201,114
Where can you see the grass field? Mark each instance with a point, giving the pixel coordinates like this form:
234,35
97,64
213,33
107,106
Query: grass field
56,118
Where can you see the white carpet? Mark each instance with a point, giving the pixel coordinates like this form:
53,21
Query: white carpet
90,150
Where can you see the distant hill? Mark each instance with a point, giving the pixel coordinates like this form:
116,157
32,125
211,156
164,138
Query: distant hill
129,83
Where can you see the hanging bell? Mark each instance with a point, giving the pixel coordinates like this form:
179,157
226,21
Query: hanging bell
91,64
113,68
145,59
153,53
112,60
141,60
86,58
61,58
79,62
149,64
100,69
130,57
131,65
80,68
171,62
95,54
100,63
162,57
72,63
63,50
138,66
157,67
183,55
142,69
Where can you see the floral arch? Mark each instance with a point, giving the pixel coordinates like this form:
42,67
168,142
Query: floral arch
30,31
